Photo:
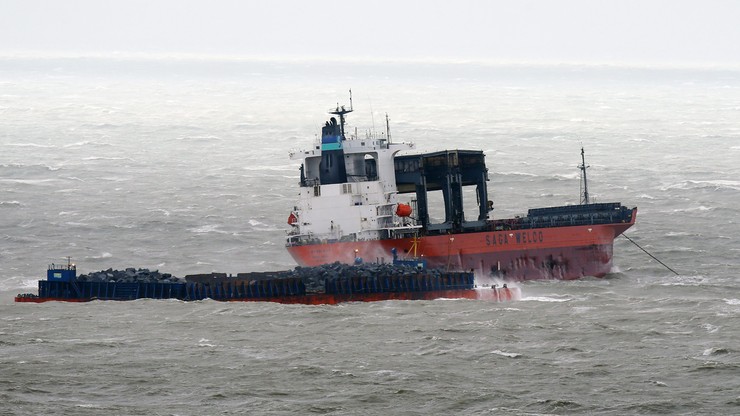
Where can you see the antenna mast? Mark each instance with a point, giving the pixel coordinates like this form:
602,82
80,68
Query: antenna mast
387,128
341,111
584,198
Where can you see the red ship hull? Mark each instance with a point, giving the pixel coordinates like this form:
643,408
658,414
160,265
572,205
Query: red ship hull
538,253
37,299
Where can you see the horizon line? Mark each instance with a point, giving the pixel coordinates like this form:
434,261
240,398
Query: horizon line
189,56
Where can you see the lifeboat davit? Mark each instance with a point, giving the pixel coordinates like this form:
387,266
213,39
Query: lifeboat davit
403,210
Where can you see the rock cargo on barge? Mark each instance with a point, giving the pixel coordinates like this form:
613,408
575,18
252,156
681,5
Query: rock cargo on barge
329,284
359,197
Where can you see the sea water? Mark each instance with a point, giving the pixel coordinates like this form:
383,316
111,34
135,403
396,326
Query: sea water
181,165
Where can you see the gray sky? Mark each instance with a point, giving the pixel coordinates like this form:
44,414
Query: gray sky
626,31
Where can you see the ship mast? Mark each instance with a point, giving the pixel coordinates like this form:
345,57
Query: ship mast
584,196
341,111
387,128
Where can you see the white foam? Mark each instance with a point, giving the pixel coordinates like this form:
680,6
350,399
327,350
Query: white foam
198,138
28,181
692,209
30,145
162,210
18,283
210,228
203,342
89,406
710,328
516,174
717,183
544,299
107,158
506,354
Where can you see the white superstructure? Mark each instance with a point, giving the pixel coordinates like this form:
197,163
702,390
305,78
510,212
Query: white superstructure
348,187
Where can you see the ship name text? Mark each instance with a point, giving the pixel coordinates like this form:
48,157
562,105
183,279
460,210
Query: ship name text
518,237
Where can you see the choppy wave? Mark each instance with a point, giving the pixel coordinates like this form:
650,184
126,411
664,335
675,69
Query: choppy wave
515,173
506,354
112,158
691,209
163,211
677,234
199,138
683,280
567,177
31,167
45,146
16,283
29,181
709,352
714,184
208,228
711,329
102,255
546,299
86,143
269,168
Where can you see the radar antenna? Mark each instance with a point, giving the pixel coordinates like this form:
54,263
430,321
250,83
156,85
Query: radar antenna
584,183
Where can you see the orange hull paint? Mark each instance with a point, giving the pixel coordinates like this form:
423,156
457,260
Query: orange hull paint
541,253
37,299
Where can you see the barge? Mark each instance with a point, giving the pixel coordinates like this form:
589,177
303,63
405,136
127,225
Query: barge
349,284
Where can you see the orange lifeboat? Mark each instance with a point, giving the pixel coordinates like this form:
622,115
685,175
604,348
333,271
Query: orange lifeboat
403,210
292,219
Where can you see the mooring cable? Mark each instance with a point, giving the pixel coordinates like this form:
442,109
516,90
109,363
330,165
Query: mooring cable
646,252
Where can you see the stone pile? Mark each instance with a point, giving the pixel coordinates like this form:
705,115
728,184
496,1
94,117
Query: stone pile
313,277
130,275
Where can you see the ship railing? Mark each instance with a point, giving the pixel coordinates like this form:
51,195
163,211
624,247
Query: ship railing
310,182
559,219
67,266
578,219
572,209
301,239
402,228
362,178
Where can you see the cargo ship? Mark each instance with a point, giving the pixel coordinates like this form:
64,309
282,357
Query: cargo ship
311,286
360,199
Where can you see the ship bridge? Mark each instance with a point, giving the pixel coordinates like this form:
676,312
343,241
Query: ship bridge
449,171
347,188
